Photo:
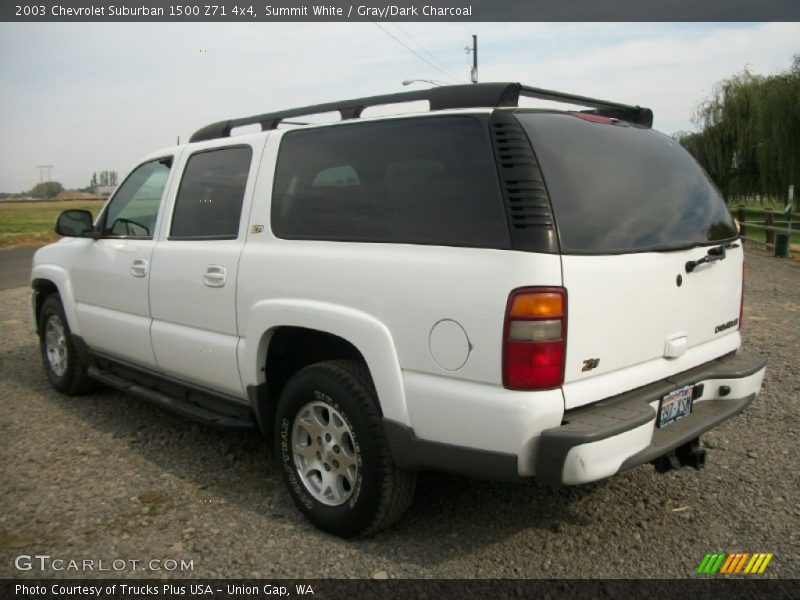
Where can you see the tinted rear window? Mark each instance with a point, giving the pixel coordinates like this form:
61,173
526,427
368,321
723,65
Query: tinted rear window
420,181
619,188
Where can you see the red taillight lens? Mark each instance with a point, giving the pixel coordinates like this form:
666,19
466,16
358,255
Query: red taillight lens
534,339
533,366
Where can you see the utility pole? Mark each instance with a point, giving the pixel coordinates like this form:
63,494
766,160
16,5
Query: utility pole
474,72
45,173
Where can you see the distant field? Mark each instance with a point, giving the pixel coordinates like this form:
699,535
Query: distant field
31,223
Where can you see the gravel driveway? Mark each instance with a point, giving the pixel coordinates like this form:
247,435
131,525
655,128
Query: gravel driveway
110,477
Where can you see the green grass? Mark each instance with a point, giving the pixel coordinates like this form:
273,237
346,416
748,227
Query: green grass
31,223
760,235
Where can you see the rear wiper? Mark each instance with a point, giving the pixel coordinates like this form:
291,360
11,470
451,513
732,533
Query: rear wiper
715,253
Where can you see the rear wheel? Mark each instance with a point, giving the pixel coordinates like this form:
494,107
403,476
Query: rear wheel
333,454
62,363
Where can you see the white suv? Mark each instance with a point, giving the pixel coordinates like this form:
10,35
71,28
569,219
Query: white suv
482,289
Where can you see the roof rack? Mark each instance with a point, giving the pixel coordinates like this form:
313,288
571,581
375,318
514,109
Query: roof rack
451,96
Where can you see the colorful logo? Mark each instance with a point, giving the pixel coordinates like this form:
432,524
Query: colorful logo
732,564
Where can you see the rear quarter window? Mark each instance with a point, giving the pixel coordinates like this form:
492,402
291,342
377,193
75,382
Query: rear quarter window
419,181
618,188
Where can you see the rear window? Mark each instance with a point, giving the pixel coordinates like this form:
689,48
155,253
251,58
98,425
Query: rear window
618,188
417,181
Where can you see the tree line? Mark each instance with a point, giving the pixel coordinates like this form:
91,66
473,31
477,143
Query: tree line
749,138
51,189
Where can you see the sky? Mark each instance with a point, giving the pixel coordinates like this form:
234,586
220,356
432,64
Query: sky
87,97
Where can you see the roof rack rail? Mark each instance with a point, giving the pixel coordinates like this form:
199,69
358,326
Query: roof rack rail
443,97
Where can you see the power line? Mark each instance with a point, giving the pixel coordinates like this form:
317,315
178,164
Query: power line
407,47
424,49
414,52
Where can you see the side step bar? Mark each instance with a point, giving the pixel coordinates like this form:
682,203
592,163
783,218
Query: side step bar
185,407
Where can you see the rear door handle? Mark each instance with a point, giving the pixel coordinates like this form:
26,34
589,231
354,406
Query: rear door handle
215,276
139,267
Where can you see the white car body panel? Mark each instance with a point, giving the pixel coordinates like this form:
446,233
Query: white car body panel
481,416
52,263
624,308
365,332
109,298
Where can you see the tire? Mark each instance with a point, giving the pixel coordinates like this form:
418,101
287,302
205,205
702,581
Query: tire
332,451
62,363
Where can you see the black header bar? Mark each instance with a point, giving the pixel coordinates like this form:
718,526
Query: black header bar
399,10
744,588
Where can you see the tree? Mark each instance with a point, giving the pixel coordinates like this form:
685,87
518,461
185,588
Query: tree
749,132
107,178
46,189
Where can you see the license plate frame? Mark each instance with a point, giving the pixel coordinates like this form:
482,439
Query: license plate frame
675,406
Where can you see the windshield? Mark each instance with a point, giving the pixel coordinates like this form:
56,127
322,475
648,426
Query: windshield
618,188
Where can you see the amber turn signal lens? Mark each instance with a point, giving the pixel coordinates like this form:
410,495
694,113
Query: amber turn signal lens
539,304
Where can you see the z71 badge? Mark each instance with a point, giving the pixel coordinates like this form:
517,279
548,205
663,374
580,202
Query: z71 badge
590,363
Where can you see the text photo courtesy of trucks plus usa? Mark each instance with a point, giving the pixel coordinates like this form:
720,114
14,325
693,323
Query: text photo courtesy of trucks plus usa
393,328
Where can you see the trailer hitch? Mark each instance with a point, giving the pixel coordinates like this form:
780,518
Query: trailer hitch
686,455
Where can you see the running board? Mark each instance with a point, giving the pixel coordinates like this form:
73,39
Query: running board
244,420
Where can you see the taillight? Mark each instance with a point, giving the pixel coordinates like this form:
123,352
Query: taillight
534,338
741,299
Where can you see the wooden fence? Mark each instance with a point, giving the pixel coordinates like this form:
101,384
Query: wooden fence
774,224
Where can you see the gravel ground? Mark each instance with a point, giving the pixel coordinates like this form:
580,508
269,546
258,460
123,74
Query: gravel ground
110,477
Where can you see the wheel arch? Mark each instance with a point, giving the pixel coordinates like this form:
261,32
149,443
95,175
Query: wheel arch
314,331
49,279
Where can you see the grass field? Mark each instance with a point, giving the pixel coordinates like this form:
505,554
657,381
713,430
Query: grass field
755,215
31,223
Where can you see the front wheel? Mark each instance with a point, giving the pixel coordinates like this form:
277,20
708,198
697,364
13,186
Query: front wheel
63,365
333,453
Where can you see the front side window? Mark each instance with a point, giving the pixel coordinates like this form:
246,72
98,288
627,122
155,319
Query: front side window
134,208
210,197
415,181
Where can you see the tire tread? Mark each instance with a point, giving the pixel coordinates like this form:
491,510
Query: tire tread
76,381
398,485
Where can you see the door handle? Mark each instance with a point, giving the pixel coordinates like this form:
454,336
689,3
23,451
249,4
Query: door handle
215,276
139,267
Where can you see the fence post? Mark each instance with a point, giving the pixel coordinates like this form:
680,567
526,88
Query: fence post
742,220
769,221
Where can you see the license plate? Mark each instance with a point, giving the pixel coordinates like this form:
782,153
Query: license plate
675,405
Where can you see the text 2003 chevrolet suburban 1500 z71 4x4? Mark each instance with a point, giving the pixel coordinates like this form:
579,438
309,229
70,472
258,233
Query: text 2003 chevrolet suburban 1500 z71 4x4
482,289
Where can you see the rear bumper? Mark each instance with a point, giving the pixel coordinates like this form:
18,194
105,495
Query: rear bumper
619,433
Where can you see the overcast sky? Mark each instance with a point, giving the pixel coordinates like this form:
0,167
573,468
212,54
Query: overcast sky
90,97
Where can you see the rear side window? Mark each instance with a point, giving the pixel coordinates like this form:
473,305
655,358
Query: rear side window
617,188
417,181
209,202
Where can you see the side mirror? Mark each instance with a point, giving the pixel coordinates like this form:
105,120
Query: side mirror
74,223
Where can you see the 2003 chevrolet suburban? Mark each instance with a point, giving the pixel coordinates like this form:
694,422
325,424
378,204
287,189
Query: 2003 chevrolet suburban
482,289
